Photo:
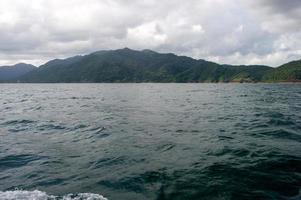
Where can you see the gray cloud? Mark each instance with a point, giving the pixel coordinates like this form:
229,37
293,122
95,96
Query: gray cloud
226,31
278,15
280,6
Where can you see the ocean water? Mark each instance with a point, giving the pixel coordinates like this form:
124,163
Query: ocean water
150,141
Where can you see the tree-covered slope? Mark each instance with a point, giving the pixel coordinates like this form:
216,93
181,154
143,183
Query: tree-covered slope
288,72
126,65
12,72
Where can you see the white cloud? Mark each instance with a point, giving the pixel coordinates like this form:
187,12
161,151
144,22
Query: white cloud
147,35
240,28
227,31
197,28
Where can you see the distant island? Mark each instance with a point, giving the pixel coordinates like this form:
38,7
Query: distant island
131,66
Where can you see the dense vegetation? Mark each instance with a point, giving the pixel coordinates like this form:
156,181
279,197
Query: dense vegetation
11,72
126,65
287,72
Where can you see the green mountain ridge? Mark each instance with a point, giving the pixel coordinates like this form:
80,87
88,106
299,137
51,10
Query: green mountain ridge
127,65
290,72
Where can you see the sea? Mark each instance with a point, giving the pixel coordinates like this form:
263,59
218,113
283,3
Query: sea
150,141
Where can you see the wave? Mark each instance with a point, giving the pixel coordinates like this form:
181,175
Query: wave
40,195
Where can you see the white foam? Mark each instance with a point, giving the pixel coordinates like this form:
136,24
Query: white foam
39,195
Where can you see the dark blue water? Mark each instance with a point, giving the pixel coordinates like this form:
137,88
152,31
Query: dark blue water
150,141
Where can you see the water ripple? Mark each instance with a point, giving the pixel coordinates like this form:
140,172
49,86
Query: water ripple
150,141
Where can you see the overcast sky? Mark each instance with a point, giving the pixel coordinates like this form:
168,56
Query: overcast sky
225,31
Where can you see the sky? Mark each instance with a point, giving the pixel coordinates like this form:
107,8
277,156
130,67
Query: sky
225,31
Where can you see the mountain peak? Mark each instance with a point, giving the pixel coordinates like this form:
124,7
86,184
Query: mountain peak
24,65
149,51
14,71
125,49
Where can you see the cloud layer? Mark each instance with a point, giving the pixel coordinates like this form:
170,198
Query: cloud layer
226,31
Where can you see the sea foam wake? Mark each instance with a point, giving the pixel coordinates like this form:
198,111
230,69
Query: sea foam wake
39,195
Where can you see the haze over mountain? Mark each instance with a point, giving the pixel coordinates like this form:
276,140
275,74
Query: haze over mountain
11,72
127,65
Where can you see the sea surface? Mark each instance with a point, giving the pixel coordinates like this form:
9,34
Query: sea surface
150,141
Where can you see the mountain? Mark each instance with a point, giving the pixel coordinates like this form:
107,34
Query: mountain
288,72
12,72
126,65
